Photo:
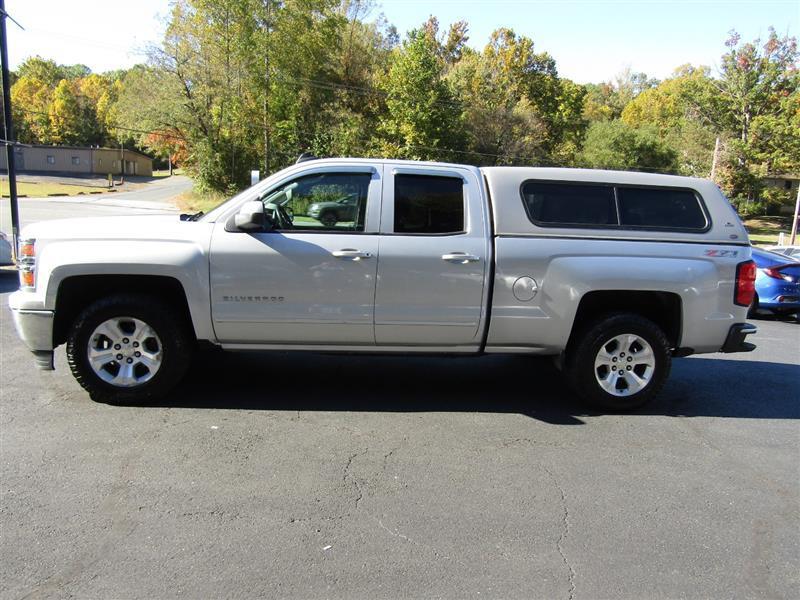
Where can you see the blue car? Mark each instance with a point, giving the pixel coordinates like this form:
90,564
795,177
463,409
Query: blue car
777,283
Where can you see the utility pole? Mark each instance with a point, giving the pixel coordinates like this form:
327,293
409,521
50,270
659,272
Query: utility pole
796,218
9,133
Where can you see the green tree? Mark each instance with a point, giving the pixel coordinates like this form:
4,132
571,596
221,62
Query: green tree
671,109
754,81
616,145
30,101
72,118
423,119
517,110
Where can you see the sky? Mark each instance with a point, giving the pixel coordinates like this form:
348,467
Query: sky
591,40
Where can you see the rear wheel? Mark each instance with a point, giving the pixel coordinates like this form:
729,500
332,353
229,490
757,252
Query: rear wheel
328,219
129,348
619,362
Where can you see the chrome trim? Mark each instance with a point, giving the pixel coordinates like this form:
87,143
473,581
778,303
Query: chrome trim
35,328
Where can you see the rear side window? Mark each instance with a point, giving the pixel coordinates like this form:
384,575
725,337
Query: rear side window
566,204
660,208
425,204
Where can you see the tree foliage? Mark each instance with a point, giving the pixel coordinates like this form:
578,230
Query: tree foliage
237,85
617,145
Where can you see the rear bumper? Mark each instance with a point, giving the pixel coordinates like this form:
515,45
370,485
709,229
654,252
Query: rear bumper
787,304
736,335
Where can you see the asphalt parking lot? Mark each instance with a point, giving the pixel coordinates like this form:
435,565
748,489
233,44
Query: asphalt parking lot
314,476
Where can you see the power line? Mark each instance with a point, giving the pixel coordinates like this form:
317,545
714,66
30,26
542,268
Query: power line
115,126
4,13
5,142
333,86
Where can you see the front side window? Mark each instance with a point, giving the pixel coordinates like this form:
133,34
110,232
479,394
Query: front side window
660,208
568,204
76,160
428,204
51,160
321,202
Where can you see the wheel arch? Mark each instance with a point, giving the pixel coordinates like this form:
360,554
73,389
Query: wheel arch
76,292
665,309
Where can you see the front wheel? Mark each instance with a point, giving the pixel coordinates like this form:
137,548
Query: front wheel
129,348
619,362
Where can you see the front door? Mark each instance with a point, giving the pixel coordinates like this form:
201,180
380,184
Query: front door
433,258
307,282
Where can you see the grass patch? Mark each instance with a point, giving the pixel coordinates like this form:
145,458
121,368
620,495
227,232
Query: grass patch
194,201
43,189
763,231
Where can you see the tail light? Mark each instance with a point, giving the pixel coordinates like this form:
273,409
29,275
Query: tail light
27,263
745,283
775,273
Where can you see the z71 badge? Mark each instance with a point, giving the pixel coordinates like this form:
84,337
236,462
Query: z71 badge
722,253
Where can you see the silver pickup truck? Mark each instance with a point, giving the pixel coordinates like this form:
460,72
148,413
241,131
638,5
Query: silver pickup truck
611,273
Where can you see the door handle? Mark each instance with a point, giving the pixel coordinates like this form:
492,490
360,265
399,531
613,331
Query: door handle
460,257
351,254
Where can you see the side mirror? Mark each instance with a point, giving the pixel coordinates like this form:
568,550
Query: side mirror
251,217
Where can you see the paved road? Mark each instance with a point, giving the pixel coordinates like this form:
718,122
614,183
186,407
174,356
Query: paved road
156,197
316,476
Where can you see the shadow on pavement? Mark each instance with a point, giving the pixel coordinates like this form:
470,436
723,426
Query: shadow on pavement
697,387
528,386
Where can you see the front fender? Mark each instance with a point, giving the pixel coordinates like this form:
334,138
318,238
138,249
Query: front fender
183,260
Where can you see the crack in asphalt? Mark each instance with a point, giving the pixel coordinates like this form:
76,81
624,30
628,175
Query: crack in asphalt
346,475
389,454
564,534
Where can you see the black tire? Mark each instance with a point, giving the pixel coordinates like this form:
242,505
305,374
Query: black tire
328,219
584,351
176,347
753,310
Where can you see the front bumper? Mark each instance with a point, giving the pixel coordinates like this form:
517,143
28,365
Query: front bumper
35,329
735,340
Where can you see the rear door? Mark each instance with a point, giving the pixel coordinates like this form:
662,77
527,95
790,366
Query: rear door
434,253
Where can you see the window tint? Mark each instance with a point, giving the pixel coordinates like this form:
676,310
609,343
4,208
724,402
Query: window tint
668,208
569,204
428,204
322,202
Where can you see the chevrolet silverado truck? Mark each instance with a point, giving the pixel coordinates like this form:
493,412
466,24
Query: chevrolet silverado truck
611,273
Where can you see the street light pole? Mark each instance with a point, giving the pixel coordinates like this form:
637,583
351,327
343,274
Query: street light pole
9,132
